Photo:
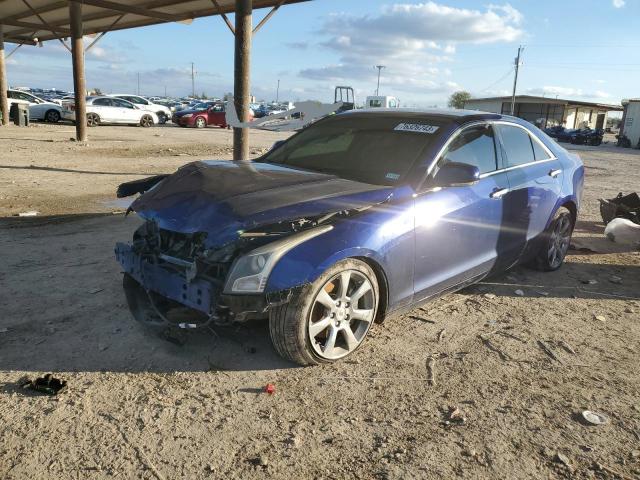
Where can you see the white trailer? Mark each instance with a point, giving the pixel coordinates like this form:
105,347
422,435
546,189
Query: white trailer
630,126
382,101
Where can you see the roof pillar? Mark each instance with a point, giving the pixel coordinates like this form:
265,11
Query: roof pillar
4,103
242,70
77,56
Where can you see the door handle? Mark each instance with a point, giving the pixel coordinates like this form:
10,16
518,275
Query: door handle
498,192
554,173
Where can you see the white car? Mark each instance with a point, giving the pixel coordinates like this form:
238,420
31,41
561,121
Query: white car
163,112
110,110
39,109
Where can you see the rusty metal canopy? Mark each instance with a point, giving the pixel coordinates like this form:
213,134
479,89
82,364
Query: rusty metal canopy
32,21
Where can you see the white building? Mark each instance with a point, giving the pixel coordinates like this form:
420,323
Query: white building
547,112
630,126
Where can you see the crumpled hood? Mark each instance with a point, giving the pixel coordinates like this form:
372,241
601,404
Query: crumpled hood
224,198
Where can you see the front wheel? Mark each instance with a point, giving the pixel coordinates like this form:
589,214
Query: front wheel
555,242
93,120
329,319
162,118
52,116
146,121
201,122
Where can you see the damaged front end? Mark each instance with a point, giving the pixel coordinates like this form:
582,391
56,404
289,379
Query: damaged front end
173,280
214,231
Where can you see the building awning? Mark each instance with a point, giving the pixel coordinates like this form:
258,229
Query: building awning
32,21
551,100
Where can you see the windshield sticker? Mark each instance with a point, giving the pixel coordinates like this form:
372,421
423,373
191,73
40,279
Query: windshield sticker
416,127
392,176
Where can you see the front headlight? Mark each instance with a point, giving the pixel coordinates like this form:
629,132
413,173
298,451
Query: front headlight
250,272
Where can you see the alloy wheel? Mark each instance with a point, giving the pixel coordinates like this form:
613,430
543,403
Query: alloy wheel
200,123
92,120
146,121
559,241
53,116
341,314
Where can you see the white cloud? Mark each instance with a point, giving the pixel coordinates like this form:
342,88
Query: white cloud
618,3
414,42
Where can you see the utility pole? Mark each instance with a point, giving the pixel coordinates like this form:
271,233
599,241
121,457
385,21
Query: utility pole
278,91
515,80
165,91
138,83
379,67
193,81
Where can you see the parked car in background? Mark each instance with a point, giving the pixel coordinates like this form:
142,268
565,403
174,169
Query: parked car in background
39,109
359,215
162,111
201,115
102,109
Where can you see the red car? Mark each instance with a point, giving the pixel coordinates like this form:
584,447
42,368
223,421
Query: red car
202,115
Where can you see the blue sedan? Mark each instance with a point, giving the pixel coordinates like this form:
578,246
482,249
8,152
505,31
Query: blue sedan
358,216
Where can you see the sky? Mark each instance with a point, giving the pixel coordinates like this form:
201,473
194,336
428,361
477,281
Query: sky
585,50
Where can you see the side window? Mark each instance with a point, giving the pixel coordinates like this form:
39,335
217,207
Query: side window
122,103
538,152
474,146
102,102
517,145
11,94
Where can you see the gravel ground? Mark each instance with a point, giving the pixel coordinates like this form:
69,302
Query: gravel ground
516,359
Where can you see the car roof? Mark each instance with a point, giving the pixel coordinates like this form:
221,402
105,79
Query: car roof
456,116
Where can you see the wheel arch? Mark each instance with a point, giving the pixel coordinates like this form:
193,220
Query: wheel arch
281,279
383,286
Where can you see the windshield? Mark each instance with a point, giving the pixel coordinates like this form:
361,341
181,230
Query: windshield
379,150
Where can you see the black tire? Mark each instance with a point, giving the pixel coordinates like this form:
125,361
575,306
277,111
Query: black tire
288,323
200,122
93,120
563,223
52,116
146,121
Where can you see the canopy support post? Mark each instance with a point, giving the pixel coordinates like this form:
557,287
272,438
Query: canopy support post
77,56
4,102
242,70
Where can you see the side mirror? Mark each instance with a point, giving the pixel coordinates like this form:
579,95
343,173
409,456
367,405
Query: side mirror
455,174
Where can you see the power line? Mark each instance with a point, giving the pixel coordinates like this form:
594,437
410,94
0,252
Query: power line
507,74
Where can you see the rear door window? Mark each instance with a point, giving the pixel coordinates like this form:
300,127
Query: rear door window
517,145
474,146
103,102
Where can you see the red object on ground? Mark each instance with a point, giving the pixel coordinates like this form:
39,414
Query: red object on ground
270,388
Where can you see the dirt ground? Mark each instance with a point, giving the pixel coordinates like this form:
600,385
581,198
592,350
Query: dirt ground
520,355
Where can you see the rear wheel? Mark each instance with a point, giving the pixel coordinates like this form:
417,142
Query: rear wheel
52,116
329,319
146,121
556,241
201,122
93,120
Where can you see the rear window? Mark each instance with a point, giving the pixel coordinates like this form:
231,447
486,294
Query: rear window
373,149
517,145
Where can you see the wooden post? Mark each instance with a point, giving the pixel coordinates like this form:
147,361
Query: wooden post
241,82
4,103
77,55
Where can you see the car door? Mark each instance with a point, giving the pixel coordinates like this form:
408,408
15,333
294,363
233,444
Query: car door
535,182
457,229
216,115
127,113
103,108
